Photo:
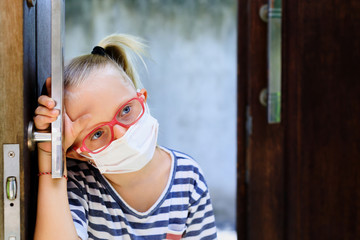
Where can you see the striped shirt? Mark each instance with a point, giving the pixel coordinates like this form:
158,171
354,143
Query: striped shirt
183,211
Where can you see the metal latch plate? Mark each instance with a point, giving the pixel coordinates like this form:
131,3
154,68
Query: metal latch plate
11,158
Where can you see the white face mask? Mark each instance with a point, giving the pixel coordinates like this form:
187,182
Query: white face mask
132,151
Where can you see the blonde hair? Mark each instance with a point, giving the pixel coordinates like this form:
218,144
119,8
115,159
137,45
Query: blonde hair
121,51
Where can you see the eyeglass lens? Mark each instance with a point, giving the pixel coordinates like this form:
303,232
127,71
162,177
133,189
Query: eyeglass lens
127,115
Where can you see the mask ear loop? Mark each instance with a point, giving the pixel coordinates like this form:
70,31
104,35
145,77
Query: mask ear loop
91,163
89,158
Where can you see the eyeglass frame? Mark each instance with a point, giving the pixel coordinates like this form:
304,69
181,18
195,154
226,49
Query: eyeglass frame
111,124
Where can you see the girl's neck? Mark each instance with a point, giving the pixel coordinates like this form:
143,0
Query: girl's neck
142,189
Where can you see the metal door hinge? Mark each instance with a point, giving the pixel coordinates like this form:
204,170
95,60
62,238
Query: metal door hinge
11,182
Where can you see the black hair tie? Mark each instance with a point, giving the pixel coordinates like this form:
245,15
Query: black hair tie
98,51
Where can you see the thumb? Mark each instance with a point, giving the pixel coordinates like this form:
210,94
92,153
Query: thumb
79,124
48,86
73,128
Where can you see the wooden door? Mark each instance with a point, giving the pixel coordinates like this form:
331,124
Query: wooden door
300,179
10,78
18,93
11,98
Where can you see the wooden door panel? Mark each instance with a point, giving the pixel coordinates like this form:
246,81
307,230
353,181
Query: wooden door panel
323,55
11,88
302,176
260,151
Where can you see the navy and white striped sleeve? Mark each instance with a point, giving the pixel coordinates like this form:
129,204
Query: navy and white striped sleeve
201,220
78,206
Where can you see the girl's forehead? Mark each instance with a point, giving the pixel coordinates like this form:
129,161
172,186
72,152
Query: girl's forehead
102,81
99,92
106,77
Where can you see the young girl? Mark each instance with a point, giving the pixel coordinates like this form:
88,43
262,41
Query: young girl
118,183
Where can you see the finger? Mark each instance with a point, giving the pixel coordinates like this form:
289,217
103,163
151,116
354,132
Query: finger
46,101
73,129
47,112
48,85
43,122
79,124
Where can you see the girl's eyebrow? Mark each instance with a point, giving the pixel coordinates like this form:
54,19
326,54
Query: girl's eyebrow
87,130
123,99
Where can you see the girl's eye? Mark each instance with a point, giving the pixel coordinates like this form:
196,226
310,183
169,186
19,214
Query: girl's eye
96,135
125,111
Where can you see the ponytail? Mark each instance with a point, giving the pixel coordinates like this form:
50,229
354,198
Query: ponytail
121,50
124,49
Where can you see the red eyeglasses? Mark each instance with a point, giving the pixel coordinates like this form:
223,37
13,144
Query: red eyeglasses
101,137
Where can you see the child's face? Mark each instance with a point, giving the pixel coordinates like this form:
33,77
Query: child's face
100,95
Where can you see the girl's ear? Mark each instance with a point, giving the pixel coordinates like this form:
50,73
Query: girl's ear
144,93
73,154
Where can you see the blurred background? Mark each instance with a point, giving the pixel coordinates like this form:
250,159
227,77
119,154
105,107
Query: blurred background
191,78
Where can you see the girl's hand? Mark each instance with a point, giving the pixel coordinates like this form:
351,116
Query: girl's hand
73,128
46,114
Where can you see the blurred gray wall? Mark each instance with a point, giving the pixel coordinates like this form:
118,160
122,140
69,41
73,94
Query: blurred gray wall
191,77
